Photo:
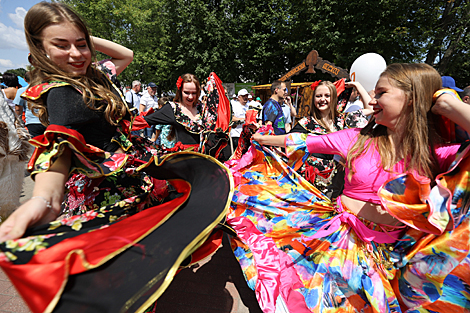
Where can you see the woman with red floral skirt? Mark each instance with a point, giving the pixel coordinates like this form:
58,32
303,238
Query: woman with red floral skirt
110,222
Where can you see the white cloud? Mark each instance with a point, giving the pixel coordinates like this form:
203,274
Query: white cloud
6,63
18,17
12,38
10,65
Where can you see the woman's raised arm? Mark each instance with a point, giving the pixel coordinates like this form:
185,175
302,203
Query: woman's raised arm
120,55
457,111
270,140
365,97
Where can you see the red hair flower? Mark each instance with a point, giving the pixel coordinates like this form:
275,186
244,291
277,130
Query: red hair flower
315,84
179,82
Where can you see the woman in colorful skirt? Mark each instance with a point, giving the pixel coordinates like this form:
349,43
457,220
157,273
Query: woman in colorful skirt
396,240
109,223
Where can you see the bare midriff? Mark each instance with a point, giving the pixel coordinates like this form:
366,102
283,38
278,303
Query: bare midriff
370,211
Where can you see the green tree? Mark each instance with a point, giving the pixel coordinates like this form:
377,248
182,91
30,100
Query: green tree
260,41
138,25
202,39
19,71
449,39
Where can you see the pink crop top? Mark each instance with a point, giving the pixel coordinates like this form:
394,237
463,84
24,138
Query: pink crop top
369,176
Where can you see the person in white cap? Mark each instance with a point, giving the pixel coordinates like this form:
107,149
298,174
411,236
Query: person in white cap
234,99
239,109
250,99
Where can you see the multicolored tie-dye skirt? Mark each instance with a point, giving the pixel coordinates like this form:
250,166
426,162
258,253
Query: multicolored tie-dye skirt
276,214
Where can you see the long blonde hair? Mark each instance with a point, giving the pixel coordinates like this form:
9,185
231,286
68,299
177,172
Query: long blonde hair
94,85
333,111
419,82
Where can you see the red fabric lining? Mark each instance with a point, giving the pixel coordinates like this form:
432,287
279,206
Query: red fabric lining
48,270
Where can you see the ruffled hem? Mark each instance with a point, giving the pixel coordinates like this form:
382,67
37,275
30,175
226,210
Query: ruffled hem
296,149
36,92
432,209
132,244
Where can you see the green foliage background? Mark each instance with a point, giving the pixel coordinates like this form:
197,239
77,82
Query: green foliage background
252,40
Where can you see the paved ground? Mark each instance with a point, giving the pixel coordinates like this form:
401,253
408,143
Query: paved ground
216,286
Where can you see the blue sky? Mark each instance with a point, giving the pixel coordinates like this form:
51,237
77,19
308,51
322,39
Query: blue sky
13,48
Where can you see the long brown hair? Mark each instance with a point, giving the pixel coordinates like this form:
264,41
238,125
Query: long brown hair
333,111
419,82
94,85
188,78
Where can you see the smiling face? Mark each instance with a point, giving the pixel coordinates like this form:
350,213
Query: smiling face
189,94
322,99
67,48
388,103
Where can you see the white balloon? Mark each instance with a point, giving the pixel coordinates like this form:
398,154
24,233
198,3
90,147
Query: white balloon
366,70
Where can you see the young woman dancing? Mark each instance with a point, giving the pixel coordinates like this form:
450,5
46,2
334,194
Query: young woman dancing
390,243
101,233
199,126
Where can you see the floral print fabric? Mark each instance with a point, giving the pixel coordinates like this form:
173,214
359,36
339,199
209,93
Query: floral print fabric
197,126
102,188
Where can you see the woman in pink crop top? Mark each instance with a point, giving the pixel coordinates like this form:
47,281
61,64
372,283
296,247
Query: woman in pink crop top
384,245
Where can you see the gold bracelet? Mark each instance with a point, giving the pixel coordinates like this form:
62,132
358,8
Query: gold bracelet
48,203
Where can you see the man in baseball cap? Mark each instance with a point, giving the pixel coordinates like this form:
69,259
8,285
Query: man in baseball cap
449,82
242,92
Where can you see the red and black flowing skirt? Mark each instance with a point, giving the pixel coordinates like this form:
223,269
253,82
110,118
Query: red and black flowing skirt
129,224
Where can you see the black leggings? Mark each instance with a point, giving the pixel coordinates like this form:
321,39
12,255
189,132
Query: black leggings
35,129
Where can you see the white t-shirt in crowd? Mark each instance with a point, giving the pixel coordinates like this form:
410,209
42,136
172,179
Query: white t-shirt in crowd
149,102
239,111
134,98
286,112
9,101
